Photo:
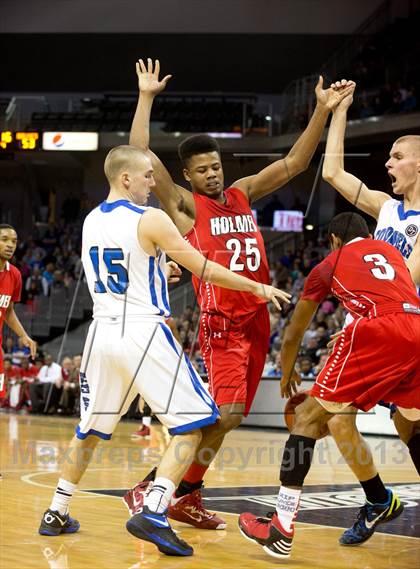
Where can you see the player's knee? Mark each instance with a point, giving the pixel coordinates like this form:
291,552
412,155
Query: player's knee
309,419
343,427
193,436
229,421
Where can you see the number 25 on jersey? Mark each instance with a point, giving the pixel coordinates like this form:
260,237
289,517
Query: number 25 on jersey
117,274
252,253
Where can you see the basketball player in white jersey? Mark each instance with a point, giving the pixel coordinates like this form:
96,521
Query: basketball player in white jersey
398,223
129,348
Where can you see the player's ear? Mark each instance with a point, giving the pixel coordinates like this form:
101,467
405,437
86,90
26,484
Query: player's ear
125,179
186,175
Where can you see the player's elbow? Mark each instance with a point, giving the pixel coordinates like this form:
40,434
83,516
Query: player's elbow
329,173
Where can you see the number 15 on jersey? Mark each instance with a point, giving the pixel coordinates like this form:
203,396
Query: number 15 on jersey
116,272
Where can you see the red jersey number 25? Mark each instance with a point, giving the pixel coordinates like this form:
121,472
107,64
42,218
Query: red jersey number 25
252,254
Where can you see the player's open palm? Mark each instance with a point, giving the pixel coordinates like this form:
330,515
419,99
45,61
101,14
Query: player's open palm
148,77
332,97
274,295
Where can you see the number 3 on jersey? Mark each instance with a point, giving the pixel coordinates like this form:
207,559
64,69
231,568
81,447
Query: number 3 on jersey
112,259
383,270
253,255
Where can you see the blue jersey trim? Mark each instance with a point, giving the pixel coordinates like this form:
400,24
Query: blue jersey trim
195,424
195,380
152,287
164,294
82,436
106,207
403,215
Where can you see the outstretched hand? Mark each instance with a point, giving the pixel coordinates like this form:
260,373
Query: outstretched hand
271,294
345,103
332,97
149,77
288,385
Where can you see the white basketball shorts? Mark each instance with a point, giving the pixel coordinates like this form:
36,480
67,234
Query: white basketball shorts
122,360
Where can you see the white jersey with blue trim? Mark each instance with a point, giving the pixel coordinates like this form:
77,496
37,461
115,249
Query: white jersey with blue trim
398,227
123,279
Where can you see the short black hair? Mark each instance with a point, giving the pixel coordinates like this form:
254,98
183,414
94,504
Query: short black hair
6,226
348,226
197,144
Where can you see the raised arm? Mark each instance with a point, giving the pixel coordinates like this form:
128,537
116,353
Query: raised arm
175,200
299,157
156,229
350,187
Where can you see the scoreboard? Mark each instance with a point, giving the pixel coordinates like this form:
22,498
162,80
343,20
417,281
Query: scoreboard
35,140
19,140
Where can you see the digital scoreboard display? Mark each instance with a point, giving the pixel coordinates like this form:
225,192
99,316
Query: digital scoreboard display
19,140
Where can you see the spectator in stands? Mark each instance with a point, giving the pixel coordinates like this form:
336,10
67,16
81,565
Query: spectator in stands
48,274
311,350
46,391
276,371
58,281
306,369
70,385
11,378
28,374
40,282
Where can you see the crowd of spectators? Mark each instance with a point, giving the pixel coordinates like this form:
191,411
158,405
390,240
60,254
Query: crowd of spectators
49,260
41,387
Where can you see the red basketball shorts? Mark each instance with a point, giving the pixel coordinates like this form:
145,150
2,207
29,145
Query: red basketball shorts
234,355
374,359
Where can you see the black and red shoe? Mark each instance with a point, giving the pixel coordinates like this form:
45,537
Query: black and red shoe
269,533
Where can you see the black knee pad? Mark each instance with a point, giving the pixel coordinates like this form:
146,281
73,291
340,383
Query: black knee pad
297,458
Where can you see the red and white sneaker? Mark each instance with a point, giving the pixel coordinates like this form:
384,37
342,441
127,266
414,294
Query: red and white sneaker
134,499
142,433
269,533
189,509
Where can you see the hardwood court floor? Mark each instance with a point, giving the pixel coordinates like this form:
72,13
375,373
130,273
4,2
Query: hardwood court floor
245,477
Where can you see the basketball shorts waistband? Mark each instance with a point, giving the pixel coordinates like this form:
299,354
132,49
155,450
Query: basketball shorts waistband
393,308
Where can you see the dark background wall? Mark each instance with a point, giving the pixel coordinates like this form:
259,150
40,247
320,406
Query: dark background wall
262,63
186,16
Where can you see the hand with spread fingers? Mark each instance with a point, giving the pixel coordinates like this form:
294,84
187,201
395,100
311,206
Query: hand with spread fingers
332,97
288,385
272,294
148,77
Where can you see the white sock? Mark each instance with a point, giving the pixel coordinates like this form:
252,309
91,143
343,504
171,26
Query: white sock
287,506
147,421
158,497
62,496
